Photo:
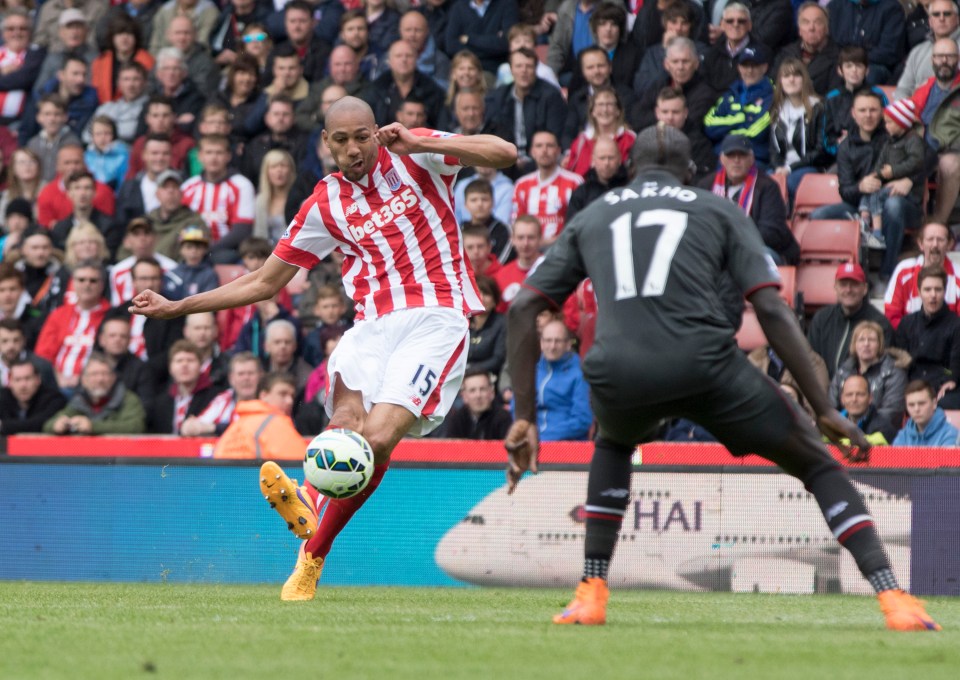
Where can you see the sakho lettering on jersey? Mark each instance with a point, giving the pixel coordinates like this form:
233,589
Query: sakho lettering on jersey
396,207
651,190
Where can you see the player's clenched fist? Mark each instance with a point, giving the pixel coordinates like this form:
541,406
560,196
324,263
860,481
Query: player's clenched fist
152,305
523,446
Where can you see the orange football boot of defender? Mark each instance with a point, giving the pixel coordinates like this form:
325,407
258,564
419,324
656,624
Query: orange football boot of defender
905,612
289,499
302,583
589,604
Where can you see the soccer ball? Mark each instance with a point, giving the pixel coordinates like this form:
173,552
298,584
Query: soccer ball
338,463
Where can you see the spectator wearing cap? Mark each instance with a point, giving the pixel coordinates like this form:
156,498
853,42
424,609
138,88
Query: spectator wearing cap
815,48
720,63
745,109
140,241
48,22
20,64
171,216
944,23
138,195
195,273
878,26
741,181
831,328
73,30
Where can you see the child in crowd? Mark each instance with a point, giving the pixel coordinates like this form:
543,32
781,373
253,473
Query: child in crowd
478,200
195,273
838,119
215,119
106,156
329,311
54,134
476,244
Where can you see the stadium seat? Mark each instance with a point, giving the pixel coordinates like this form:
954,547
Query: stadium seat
781,181
788,289
815,282
888,90
750,336
815,190
830,241
228,272
953,417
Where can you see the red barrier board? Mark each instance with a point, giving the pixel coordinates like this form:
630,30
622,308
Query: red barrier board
462,452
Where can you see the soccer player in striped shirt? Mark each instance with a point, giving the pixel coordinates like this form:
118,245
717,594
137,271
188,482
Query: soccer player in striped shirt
389,211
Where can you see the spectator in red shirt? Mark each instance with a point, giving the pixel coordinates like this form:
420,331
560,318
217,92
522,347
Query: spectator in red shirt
53,204
526,244
160,120
903,295
476,244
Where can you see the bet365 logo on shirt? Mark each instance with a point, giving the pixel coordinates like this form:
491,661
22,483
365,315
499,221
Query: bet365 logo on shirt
385,215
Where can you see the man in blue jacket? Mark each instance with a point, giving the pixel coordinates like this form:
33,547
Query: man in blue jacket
563,396
745,108
878,26
928,425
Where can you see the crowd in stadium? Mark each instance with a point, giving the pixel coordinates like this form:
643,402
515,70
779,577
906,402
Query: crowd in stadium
167,144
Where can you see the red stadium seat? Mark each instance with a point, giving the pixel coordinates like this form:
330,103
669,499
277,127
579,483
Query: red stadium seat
888,90
830,241
815,282
788,289
953,417
815,190
781,181
228,272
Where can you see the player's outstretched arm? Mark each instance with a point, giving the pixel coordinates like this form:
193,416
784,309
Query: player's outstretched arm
249,288
784,334
488,151
523,352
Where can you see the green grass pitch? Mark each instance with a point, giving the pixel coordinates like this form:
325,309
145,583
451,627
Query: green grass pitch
53,630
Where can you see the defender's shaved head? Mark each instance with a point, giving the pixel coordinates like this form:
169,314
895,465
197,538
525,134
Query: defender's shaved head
349,132
349,110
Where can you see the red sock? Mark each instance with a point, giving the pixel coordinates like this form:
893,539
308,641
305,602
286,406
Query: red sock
338,512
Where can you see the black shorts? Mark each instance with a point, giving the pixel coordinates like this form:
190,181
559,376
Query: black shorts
743,408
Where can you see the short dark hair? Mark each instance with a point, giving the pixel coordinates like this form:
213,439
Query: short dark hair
75,177
919,386
158,100
474,372
54,99
350,15
243,357
281,98
285,50
869,93
133,66
852,54
268,381
105,120
676,10
255,246
478,186
609,12
220,140
151,261
157,137
668,93
73,56
8,272
931,271
24,362
523,51
489,286
593,49
12,325
301,5
184,346
479,232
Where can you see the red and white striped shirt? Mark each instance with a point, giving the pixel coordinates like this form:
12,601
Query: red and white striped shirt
222,204
398,233
547,200
68,335
220,411
121,277
12,101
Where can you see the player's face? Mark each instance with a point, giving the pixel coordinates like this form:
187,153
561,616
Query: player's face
554,340
280,396
114,337
526,240
353,147
201,330
867,113
477,393
867,347
934,242
931,294
855,396
10,292
920,407
185,367
24,382
595,68
479,205
11,344
672,112
545,151
243,378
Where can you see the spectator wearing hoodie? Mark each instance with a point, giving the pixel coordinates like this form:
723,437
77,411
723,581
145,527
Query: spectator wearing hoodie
928,425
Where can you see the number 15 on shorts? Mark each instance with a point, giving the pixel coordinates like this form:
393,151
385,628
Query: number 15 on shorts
423,380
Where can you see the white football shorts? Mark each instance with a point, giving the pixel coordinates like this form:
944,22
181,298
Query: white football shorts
414,358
